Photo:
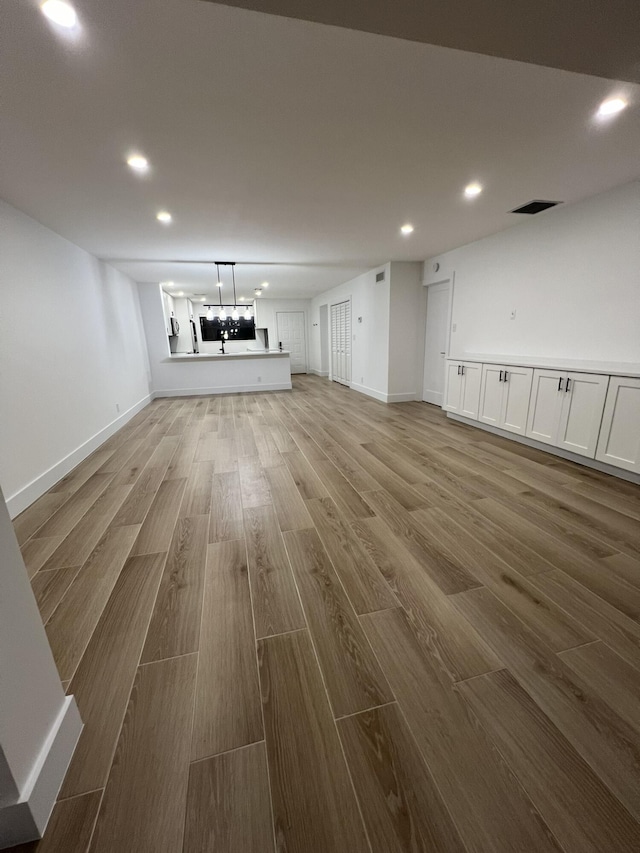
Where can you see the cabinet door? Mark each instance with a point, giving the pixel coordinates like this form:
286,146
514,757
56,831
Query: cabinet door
545,405
491,393
515,398
470,397
619,442
582,407
453,387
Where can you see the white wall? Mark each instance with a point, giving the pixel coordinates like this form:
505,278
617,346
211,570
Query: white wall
370,338
407,321
39,726
572,274
72,350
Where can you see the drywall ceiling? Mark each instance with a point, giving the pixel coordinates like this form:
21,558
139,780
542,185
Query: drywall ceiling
599,37
282,143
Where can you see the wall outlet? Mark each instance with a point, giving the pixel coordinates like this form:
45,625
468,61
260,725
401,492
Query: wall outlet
259,378
117,407
512,316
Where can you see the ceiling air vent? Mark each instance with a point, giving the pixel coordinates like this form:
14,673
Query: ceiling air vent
535,206
379,276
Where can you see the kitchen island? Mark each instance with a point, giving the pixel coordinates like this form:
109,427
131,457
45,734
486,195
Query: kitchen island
186,374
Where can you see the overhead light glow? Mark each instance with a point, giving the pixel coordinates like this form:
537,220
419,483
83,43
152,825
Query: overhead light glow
265,284
164,216
240,298
203,298
179,292
247,313
472,190
167,284
407,229
210,314
611,106
218,284
258,291
138,163
223,314
234,313
60,13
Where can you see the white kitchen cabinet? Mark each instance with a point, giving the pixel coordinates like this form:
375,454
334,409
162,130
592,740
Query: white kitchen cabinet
619,442
566,409
462,389
545,405
581,414
504,396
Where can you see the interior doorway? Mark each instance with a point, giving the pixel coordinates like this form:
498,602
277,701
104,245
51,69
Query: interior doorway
436,345
341,342
292,335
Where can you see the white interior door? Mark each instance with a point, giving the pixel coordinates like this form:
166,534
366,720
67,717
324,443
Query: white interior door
435,345
341,342
291,333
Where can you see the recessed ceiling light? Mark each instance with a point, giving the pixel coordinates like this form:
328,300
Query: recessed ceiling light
611,106
472,190
164,216
203,299
179,292
258,291
407,229
265,284
240,298
138,163
60,13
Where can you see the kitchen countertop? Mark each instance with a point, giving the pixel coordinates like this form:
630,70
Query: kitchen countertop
613,368
207,356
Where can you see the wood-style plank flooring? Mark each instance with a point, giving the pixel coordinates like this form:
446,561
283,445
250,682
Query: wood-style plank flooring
309,622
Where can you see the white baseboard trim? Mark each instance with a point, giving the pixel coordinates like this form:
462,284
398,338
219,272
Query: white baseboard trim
404,397
25,496
221,389
323,373
370,392
549,448
27,819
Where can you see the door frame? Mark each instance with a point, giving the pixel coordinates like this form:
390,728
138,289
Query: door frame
450,280
331,304
306,333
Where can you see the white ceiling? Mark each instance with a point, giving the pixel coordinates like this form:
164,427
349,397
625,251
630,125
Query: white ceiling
297,147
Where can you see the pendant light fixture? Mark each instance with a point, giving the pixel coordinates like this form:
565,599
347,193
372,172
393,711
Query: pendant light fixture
234,313
210,314
222,314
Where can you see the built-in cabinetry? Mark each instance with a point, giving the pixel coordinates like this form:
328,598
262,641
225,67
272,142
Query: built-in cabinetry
594,415
619,442
566,409
462,388
504,396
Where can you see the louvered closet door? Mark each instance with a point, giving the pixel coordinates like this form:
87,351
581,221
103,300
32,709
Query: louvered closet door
341,342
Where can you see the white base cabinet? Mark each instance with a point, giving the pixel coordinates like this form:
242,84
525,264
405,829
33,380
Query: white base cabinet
462,388
619,442
504,396
566,409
